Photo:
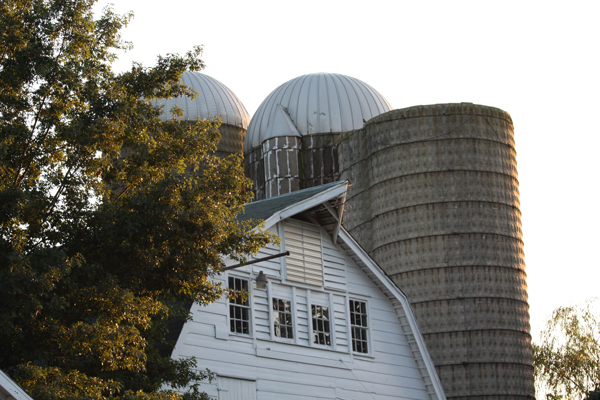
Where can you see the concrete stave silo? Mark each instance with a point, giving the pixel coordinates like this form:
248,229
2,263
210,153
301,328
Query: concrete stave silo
435,202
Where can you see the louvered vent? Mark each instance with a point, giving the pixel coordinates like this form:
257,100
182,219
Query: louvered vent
303,241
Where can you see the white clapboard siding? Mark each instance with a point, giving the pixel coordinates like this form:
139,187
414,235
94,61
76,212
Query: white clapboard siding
236,389
285,369
305,262
260,312
301,317
340,323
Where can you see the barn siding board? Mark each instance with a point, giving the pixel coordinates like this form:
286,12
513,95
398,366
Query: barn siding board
309,391
277,396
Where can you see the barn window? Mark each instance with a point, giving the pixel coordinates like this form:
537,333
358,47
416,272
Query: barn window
239,309
320,323
282,318
303,241
359,325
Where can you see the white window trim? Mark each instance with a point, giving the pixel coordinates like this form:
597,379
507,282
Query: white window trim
369,328
332,332
274,337
250,333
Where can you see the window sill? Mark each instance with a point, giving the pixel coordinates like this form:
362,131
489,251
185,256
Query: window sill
240,335
364,357
284,340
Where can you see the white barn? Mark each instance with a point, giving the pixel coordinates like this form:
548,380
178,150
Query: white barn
329,325
9,390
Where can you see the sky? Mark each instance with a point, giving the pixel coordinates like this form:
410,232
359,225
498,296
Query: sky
537,60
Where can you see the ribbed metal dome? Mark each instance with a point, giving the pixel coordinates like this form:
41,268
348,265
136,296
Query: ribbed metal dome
317,103
213,100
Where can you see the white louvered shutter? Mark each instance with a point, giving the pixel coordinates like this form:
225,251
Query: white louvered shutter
305,263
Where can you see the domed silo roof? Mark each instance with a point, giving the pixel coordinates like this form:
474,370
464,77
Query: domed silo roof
317,103
213,100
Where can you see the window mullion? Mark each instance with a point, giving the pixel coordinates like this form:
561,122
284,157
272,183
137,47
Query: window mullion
310,317
295,315
332,330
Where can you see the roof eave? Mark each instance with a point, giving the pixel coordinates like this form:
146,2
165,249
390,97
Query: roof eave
401,297
303,205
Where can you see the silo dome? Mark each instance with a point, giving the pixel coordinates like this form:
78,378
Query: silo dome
316,103
213,100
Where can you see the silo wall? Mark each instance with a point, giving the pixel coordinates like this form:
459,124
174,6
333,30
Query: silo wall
280,158
232,140
435,201
273,167
319,159
255,170
284,164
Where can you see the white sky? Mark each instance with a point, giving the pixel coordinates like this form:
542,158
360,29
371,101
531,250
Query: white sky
537,60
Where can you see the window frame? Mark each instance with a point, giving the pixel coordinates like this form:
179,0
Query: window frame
366,328
291,327
330,323
247,306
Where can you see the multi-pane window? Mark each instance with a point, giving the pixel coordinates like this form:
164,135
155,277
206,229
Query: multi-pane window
320,324
239,309
282,317
359,325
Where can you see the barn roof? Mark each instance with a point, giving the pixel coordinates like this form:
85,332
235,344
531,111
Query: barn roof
264,209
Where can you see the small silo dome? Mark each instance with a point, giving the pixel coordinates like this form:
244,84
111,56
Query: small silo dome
315,103
213,100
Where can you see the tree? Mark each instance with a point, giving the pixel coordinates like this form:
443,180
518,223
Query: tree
107,222
567,359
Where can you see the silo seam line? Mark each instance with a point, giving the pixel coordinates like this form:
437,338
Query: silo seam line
479,396
424,116
432,172
379,214
468,298
445,234
479,330
390,146
485,363
460,266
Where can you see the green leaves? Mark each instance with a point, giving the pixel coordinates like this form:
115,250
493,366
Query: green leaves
109,216
567,359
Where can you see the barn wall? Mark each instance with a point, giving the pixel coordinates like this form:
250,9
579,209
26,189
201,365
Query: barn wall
297,368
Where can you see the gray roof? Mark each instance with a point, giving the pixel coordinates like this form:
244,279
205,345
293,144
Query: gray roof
263,209
316,103
213,100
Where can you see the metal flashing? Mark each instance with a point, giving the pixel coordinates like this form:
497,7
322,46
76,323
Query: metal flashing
281,125
274,209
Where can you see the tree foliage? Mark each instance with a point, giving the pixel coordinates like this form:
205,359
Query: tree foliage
567,358
106,222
